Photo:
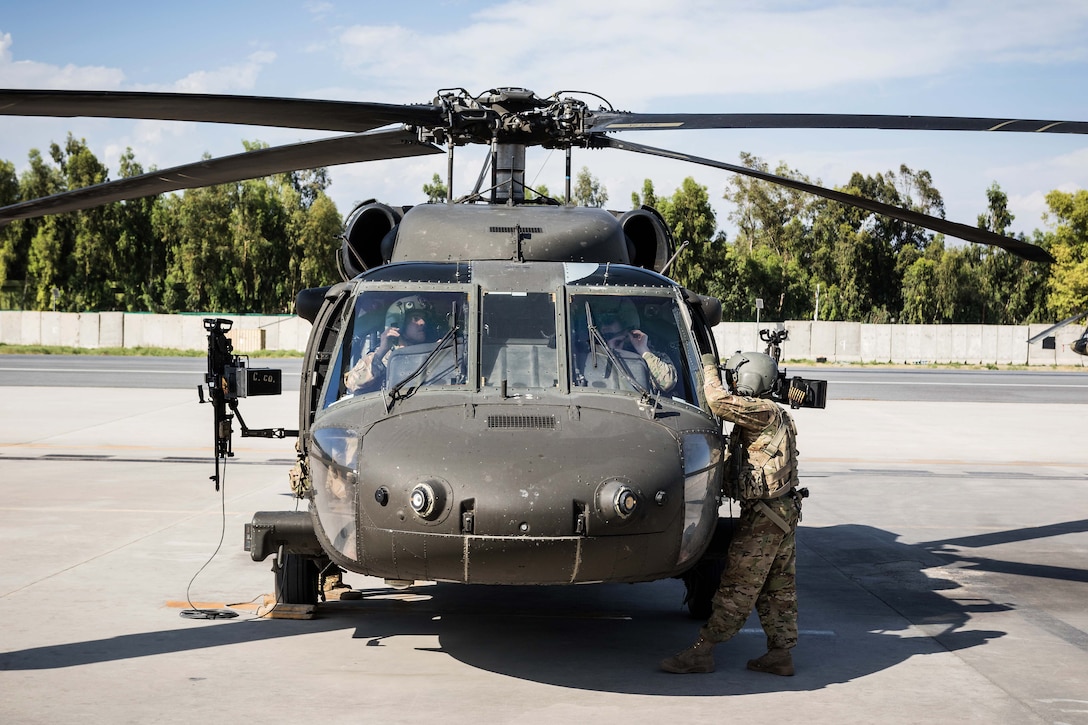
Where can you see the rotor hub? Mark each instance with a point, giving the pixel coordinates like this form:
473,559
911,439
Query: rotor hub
508,116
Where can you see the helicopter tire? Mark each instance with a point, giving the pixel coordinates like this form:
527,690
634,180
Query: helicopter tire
296,580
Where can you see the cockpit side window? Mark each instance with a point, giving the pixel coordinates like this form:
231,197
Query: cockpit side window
517,344
399,336
643,338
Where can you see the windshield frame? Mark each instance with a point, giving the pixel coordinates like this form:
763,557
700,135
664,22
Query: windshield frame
685,361
334,390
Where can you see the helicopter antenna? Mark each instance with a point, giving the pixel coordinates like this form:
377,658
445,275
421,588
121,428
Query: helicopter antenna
665,269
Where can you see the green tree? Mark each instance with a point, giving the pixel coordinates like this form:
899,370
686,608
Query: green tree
436,191
71,253
1069,276
36,257
141,268
541,191
920,292
92,267
196,230
1013,290
771,215
959,291
691,219
12,253
588,190
316,234
646,198
863,257
249,246
775,244
707,265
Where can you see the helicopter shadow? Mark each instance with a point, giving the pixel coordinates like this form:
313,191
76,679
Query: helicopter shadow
868,602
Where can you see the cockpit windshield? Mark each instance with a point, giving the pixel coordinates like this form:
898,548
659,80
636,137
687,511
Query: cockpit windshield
518,340
631,342
401,338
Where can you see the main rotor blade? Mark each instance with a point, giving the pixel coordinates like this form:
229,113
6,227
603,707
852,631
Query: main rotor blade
613,121
1058,326
961,231
370,146
248,110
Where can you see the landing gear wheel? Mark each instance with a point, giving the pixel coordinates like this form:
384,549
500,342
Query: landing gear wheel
296,580
700,583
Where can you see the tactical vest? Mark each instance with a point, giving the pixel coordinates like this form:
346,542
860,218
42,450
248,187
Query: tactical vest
767,469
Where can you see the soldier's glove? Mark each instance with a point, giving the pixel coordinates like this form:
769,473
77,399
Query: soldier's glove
709,359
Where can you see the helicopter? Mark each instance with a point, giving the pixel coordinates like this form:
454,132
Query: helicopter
504,388
1078,346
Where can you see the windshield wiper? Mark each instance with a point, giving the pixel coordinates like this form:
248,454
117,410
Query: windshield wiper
597,340
395,393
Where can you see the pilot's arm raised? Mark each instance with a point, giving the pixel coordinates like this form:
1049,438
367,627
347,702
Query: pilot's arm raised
371,367
662,372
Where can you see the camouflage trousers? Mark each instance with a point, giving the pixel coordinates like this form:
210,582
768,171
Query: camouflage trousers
761,572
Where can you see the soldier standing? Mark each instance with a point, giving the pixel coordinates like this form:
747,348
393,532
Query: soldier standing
761,566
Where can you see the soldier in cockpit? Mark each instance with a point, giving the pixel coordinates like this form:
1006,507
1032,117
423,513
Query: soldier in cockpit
407,322
620,336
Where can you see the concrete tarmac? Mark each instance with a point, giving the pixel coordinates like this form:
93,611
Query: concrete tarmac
943,573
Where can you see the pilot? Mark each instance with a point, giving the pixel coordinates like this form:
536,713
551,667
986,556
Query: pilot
628,337
761,565
407,322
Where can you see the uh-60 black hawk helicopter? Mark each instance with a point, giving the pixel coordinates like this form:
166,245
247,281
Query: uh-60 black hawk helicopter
1078,346
537,414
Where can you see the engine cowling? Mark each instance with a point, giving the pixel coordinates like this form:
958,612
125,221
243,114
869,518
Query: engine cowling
649,240
368,236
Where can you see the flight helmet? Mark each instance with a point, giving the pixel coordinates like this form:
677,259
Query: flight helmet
406,306
754,373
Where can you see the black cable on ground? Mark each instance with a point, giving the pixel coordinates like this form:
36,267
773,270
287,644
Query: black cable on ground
198,612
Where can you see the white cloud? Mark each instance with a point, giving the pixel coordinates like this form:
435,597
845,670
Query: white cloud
30,74
644,50
866,56
228,79
319,9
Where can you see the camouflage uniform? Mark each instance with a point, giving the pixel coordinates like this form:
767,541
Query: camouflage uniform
661,370
363,374
761,567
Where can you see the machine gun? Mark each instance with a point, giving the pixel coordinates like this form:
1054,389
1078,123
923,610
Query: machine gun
774,340
796,392
228,379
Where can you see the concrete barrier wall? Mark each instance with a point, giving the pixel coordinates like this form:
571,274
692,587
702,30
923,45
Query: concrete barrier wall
852,342
837,342
134,330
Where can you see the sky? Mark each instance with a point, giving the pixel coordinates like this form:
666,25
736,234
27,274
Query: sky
992,58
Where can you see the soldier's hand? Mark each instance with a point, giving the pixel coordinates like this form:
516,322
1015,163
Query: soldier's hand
709,359
639,341
389,339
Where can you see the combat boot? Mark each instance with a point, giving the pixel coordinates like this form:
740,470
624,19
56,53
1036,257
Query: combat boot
697,658
333,587
774,662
